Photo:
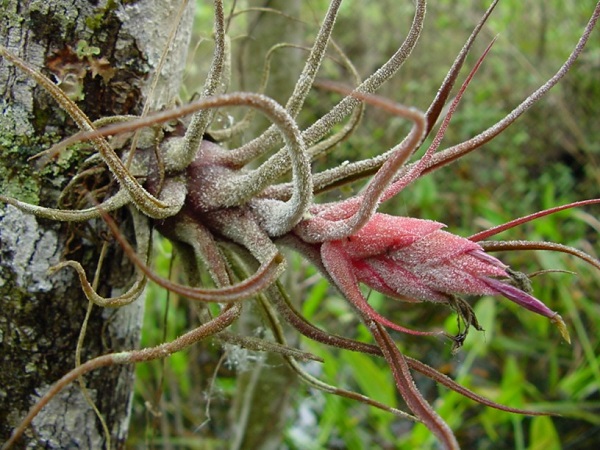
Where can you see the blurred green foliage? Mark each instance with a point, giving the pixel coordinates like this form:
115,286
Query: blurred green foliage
549,157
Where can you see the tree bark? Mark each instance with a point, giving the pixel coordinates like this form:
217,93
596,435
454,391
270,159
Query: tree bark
104,54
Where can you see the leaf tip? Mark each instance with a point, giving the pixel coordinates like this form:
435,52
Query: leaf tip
562,327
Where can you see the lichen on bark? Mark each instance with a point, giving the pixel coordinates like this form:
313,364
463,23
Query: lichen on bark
41,315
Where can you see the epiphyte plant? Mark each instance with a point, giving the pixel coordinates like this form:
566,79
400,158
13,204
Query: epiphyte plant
232,218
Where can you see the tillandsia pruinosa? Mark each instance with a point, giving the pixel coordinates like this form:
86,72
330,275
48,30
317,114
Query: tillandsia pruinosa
234,216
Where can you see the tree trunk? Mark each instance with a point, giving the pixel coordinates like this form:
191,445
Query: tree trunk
104,55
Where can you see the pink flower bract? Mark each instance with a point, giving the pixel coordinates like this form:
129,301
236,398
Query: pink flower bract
415,260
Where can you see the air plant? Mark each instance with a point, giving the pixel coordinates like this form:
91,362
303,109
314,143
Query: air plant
233,218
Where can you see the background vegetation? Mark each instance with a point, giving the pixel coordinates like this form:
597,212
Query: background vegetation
549,157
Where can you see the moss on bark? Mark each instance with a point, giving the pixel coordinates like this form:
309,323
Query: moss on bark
41,315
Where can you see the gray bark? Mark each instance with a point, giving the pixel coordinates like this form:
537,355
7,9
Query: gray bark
41,315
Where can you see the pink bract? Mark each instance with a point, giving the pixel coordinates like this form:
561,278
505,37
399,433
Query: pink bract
414,260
